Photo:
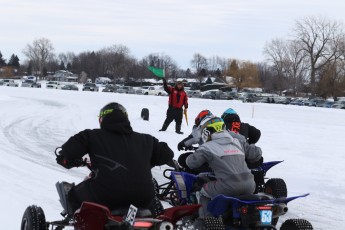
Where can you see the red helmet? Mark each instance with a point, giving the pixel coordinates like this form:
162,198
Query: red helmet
201,116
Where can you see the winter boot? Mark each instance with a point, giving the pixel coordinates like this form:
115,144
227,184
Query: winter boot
164,127
178,129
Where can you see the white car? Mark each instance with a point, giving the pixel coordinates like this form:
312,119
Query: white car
10,82
151,90
31,83
161,92
53,85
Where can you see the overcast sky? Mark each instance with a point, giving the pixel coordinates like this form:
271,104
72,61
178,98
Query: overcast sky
224,28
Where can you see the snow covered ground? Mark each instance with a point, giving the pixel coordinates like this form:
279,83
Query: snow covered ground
36,121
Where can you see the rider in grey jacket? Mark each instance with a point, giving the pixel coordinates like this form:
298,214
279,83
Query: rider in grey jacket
226,156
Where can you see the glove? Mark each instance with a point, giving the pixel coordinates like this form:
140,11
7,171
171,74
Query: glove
68,164
181,146
255,164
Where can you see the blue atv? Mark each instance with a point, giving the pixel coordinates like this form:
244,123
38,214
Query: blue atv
247,212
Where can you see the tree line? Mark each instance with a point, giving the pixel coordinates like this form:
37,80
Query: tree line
311,60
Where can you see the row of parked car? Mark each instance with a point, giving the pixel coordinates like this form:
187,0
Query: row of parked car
145,90
266,98
318,102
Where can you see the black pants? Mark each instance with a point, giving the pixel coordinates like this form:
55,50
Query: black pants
174,114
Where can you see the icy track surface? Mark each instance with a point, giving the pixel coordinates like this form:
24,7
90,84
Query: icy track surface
36,121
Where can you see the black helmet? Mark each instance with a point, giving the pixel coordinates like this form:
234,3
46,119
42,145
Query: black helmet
114,110
230,115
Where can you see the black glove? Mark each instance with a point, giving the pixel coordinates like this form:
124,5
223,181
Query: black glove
69,163
182,146
255,164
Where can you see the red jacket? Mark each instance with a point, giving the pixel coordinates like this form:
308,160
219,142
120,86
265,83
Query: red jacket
177,98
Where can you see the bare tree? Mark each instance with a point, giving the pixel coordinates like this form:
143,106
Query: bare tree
199,62
276,53
332,76
114,60
66,58
319,38
40,52
297,68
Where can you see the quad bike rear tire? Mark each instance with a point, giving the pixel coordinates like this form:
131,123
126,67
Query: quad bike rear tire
296,224
277,188
145,114
33,219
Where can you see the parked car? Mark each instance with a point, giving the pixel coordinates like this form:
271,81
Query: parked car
139,91
314,102
90,87
149,90
70,87
161,92
299,101
31,83
328,104
248,97
227,95
211,94
339,105
10,82
284,100
125,89
318,103
53,85
194,93
110,88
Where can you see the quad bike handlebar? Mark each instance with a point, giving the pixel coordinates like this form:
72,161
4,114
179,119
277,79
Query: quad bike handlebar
68,163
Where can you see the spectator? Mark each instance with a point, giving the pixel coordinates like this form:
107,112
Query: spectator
177,99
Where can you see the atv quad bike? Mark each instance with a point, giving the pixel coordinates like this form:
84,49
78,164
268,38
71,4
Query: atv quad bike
92,216
274,186
255,211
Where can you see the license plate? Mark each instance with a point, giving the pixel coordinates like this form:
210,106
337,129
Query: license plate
266,216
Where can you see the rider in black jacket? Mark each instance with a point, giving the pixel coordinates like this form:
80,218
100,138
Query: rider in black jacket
233,123
121,161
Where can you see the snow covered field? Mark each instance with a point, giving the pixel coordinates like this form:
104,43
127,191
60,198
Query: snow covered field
36,121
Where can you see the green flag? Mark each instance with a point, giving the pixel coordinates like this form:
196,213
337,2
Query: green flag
157,71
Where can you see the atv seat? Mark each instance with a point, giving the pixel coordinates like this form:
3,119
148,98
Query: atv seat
142,212
258,196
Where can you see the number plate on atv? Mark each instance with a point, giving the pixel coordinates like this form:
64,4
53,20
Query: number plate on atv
265,216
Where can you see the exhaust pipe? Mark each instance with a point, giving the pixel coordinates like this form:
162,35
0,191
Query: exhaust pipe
166,226
280,209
